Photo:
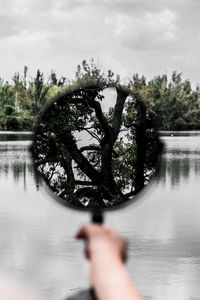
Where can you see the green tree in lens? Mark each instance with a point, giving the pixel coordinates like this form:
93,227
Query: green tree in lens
94,158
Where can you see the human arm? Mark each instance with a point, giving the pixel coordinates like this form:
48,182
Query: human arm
106,250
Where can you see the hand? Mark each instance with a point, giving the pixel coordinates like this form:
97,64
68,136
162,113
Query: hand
102,240
106,250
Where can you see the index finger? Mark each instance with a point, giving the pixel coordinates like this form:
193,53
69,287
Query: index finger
87,230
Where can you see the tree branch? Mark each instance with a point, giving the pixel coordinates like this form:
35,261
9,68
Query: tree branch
44,161
80,182
53,172
85,128
99,114
66,163
80,159
90,148
119,106
94,135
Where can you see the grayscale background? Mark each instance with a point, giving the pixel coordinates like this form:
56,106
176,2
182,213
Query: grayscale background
37,244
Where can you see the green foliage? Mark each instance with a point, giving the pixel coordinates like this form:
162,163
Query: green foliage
38,91
10,110
91,71
13,123
172,102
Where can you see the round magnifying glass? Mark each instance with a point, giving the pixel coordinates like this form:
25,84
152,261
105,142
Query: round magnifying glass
96,147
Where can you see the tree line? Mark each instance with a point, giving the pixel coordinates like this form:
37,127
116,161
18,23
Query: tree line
172,101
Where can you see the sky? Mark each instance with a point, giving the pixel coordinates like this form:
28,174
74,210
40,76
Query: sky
126,36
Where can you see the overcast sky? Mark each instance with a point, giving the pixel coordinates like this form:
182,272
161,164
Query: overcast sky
130,36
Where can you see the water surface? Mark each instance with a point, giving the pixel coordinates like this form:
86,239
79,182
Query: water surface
37,244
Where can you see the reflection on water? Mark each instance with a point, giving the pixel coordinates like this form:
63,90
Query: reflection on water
180,133
15,158
37,243
182,156
6,136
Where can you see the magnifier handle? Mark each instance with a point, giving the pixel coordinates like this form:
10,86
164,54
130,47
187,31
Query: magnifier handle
97,217
89,294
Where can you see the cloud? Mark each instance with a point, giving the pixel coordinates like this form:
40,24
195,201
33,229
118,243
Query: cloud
146,31
26,40
80,23
21,7
8,26
124,35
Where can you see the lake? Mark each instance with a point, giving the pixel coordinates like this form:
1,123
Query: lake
37,234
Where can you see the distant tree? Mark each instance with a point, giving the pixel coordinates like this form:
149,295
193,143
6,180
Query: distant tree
6,93
38,91
171,101
88,71
55,81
